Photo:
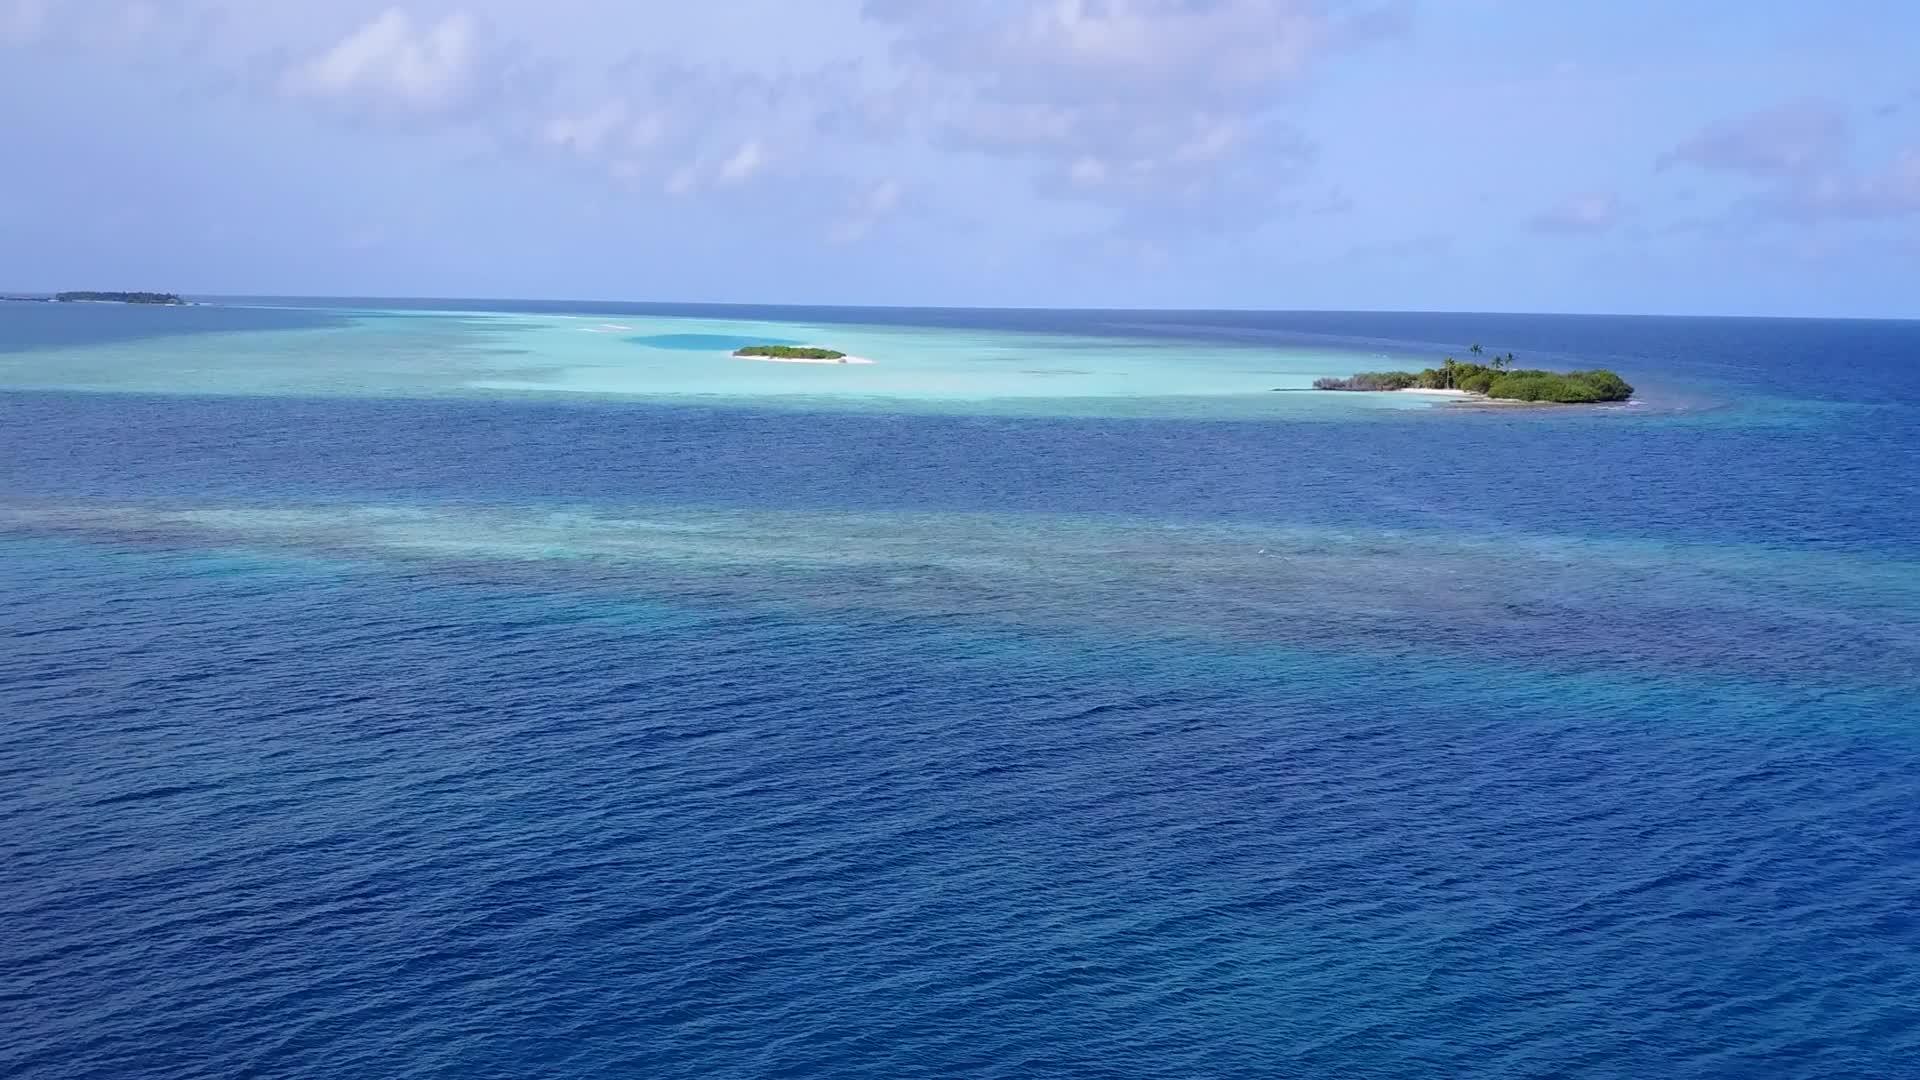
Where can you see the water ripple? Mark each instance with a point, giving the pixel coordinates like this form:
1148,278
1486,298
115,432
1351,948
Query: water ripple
699,745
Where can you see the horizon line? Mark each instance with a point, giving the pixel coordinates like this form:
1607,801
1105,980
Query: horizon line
28,294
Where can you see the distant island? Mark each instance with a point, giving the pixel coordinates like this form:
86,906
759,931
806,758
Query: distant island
119,298
789,352
1496,379
796,354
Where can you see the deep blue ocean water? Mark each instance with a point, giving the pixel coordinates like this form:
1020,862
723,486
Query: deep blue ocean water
508,738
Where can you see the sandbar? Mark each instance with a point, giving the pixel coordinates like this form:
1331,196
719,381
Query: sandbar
806,360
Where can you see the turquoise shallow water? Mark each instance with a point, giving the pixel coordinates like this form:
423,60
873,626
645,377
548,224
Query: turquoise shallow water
653,719
672,358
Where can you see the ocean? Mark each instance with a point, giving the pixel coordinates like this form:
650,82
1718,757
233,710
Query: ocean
494,689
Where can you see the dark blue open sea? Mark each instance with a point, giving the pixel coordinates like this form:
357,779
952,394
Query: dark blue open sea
493,735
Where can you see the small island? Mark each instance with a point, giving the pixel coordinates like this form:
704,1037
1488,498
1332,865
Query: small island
796,354
1495,380
789,352
165,298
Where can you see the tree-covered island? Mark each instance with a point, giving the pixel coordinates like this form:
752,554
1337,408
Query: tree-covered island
1496,378
119,298
789,352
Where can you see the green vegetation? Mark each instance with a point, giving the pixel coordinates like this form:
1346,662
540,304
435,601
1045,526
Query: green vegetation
790,352
1573,387
1496,378
1371,380
120,297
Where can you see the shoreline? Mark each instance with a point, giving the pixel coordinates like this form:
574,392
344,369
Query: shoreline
1468,399
829,362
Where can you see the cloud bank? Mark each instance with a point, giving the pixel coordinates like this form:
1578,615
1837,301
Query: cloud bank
1187,145
394,62
1803,152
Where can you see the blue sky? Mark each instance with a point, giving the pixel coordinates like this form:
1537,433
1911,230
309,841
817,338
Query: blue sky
1703,157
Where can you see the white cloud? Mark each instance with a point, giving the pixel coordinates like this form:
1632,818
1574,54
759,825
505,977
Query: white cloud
1804,152
1337,202
1890,192
655,123
689,176
394,62
586,133
1168,110
1785,140
1587,212
1087,171
1133,103
1106,49
682,181
871,206
744,163
1213,138
884,197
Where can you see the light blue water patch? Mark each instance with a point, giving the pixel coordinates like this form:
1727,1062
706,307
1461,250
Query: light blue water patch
705,342
970,370
1417,598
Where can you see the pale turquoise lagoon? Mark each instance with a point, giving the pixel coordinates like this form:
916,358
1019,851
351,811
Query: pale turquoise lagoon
412,353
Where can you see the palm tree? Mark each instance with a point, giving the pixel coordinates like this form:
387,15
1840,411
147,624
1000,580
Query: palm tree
1474,349
1448,367
1501,363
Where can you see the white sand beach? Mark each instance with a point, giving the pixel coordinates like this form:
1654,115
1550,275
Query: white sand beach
806,360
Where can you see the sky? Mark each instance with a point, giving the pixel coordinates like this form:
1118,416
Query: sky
1702,157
